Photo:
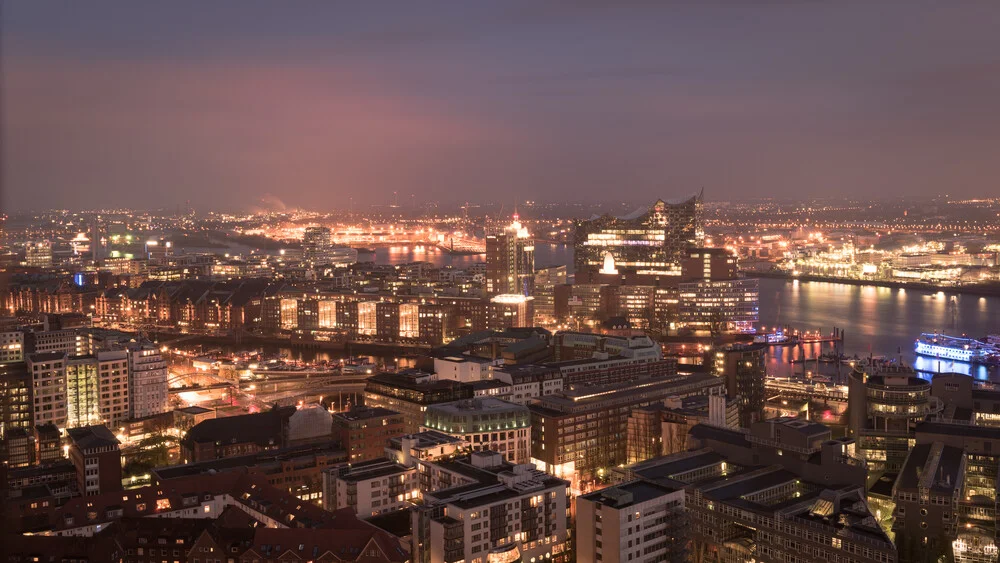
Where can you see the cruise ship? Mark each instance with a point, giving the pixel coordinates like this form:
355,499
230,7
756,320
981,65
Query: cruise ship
958,349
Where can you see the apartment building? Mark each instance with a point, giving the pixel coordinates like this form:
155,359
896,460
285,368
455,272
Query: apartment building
479,509
638,522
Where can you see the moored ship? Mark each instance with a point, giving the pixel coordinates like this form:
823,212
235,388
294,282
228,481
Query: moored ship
959,349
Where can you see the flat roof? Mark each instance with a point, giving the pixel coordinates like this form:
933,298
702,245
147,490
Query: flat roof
641,491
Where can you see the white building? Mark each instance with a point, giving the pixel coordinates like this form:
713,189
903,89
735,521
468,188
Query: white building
635,522
480,508
70,341
486,424
113,386
463,368
529,381
48,377
11,346
371,487
148,388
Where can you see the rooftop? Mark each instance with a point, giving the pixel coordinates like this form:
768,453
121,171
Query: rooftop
89,437
629,494
364,413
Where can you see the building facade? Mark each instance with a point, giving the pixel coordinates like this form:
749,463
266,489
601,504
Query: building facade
647,244
485,424
636,521
510,261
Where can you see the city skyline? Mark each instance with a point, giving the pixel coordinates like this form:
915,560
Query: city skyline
265,107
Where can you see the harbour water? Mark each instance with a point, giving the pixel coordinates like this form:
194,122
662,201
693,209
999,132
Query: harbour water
877,320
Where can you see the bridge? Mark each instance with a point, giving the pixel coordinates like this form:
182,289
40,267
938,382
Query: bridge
199,378
806,391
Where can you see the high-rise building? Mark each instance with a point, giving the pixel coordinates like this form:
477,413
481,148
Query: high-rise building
48,376
883,413
83,402
547,280
638,522
148,389
709,264
11,346
15,397
510,261
720,306
318,249
316,245
38,254
744,369
113,386
645,247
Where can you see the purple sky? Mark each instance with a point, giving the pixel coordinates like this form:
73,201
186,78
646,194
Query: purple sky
222,103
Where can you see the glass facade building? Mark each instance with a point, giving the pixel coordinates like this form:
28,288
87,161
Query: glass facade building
647,242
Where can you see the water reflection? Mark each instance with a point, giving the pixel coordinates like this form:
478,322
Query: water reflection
878,321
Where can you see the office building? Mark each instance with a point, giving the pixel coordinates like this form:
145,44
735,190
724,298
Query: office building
148,387
38,254
231,436
744,369
316,246
371,488
48,441
11,346
709,264
678,416
550,293
780,491
364,431
485,424
410,392
581,434
481,509
113,385
83,397
720,306
70,341
16,404
510,262
645,247
637,521
97,459
883,413
17,448
48,375
510,311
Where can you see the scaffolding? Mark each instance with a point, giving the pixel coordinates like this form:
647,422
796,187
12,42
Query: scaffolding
82,394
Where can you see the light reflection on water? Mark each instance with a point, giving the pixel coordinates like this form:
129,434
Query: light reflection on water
878,320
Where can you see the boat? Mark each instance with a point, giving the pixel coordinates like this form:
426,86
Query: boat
958,349
363,367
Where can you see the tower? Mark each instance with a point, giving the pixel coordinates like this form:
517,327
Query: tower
510,261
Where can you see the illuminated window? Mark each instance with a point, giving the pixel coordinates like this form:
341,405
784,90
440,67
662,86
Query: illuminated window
163,504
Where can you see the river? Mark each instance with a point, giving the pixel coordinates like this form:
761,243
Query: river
878,320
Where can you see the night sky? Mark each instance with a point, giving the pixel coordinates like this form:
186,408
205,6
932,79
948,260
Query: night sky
149,104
